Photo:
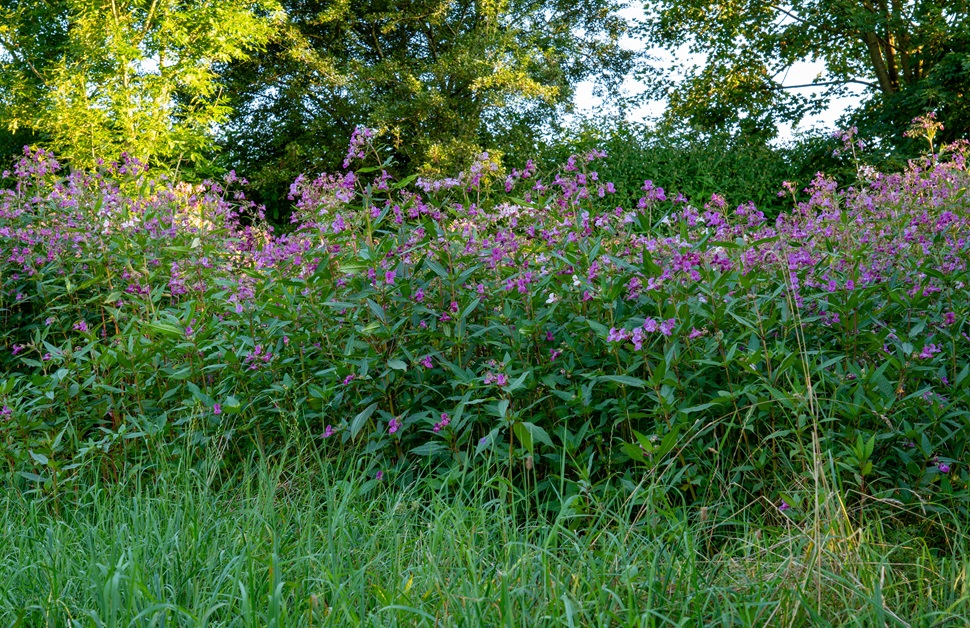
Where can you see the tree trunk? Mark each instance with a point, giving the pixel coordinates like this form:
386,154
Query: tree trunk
878,63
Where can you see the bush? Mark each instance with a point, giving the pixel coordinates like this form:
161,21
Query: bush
521,318
695,165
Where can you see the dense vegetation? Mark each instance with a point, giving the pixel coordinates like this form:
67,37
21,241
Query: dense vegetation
510,312
595,366
489,364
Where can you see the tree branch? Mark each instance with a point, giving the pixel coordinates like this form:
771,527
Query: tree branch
826,84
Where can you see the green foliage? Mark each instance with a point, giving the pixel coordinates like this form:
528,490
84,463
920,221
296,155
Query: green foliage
738,168
98,79
525,320
904,52
295,541
445,78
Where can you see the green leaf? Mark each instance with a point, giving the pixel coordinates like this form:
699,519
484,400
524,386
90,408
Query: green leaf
33,477
537,433
515,385
626,380
397,365
523,435
165,329
358,423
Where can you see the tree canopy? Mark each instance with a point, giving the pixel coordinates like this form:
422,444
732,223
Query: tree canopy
911,56
95,78
442,76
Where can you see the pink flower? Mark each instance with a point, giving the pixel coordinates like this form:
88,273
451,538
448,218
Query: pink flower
392,426
667,327
617,335
216,409
328,432
427,362
784,506
637,338
442,423
695,333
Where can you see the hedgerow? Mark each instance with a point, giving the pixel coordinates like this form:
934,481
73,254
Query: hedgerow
510,315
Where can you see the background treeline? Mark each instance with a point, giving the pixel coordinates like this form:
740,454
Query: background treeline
274,88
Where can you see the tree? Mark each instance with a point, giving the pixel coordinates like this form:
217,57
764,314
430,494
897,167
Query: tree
444,77
901,51
94,78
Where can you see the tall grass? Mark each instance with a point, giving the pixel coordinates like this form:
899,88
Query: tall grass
295,540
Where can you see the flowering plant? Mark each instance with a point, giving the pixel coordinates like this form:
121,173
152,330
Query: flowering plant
515,315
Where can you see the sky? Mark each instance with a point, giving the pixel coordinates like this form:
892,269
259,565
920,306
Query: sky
799,74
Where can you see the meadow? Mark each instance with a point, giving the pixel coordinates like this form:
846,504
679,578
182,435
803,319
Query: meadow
497,398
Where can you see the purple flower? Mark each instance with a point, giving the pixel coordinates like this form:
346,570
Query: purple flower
349,379
929,351
81,326
667,327
784,506
695,333
650,325
328,432
419,295
49,321
949,318
5,411
389,277
637,338
499,379
944,467
442,423
379,476
392,426
188,330
427,362
216,409
617,335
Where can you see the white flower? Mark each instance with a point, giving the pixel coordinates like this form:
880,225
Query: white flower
576,282
552,298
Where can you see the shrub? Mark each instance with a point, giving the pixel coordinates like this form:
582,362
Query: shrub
524,318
